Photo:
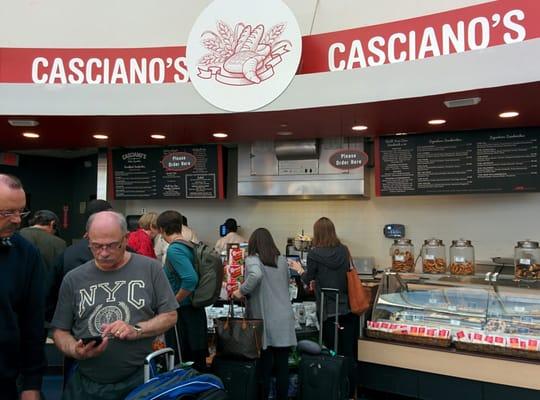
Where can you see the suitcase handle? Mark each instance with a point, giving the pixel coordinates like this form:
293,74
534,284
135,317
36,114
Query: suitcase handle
150,357
336,323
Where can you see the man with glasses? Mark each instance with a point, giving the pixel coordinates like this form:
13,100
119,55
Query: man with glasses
21,299
120,299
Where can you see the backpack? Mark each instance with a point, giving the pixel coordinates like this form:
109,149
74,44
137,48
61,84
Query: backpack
209,269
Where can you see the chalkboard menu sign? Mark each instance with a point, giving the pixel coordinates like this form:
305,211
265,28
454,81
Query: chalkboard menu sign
493,161
187,172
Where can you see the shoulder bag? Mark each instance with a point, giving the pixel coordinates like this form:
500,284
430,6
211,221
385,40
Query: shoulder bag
238,337
358,295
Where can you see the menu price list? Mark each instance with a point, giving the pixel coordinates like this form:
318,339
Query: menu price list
140,174
463,162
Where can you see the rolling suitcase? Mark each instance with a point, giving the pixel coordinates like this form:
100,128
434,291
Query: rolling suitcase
324,375
164,382
240,377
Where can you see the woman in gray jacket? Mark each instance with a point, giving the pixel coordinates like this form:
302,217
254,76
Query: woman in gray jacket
266,287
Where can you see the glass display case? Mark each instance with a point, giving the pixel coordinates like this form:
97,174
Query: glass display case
489,313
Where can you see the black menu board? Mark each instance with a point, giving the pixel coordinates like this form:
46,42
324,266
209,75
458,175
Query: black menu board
502,161
186,172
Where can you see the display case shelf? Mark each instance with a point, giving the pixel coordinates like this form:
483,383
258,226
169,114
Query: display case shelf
490,312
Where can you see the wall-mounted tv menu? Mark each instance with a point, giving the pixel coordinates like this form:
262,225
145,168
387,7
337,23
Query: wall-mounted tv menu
489,161
182,172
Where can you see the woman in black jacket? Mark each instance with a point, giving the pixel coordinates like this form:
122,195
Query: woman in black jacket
327,264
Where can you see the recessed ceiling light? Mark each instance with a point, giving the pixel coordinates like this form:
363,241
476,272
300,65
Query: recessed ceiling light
359,128
284,133
158,136
509,114
437,121
23,122
401,133
219,135
30,135
100,136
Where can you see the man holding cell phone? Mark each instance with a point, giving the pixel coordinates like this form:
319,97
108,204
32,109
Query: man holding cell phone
109,311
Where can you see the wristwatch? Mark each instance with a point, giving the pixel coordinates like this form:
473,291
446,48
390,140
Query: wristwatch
138,329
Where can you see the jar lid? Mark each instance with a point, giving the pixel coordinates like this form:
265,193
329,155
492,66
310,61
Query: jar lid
461,243
433,242
527,244
403,241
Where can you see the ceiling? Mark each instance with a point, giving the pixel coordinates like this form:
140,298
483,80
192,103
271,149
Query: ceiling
73,133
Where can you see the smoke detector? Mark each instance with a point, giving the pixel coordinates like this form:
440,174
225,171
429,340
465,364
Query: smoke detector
470,101
25,123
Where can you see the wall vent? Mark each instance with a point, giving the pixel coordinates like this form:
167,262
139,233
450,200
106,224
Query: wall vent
471,101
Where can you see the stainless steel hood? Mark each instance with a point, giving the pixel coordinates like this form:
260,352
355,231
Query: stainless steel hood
298,168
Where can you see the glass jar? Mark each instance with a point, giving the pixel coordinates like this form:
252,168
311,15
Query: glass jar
402,253
462,257
433,257
527,260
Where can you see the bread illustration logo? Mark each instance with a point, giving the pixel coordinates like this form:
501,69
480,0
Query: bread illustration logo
244,55
241,55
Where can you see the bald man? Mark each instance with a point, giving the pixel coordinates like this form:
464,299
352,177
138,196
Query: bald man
122,298
21,299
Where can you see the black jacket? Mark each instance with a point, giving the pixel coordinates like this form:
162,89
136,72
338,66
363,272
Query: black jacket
22,337
328,267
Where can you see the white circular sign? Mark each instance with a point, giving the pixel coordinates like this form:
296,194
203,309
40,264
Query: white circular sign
242,54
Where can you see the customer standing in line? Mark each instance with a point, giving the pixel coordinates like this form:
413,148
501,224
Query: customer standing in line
327,264
266,287
21,300
141,240
180,271
161,246
42,234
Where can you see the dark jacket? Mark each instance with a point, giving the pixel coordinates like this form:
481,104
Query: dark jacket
76,254
50,248
328,267
21,314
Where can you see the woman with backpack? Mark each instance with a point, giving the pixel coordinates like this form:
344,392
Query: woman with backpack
180,271
327,264
266,288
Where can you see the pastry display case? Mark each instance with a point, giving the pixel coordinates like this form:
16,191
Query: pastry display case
488,313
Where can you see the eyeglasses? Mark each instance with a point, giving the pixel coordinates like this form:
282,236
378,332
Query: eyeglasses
105,246
22,213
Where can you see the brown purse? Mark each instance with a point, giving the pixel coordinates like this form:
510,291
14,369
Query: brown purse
238,337
358,295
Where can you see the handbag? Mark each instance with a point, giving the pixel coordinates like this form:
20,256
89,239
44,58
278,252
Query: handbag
238,337
358,295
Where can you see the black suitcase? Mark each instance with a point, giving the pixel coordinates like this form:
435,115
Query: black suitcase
324,376
240,377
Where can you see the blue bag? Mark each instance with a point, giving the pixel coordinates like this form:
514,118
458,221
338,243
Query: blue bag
173,384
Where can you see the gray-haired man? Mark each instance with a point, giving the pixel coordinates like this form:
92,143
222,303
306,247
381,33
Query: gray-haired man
120,296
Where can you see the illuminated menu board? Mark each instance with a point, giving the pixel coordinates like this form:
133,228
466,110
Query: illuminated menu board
494,161
186,172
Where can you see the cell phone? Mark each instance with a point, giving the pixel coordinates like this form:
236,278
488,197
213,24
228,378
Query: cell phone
96,339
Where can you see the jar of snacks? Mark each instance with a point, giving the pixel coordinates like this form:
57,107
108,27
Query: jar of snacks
402,253
462,257
527,260
433,257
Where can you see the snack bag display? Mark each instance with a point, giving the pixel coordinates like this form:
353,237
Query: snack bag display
234,269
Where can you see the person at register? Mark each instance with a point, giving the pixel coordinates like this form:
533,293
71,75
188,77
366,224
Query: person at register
231,236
